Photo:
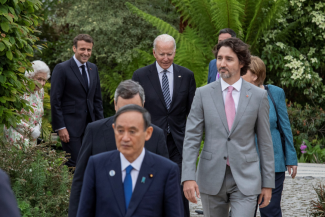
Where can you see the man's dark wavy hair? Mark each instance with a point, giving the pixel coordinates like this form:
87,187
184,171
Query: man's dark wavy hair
240,49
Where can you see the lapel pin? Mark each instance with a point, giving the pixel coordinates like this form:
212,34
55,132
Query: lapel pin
246,95
89,68
112,173
143,180
179,76
150,175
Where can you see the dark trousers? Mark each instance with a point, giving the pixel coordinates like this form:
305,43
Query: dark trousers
73,147
176,157
274,208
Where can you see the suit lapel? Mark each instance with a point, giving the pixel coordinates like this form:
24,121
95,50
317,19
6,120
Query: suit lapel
178,78
108,134
77,73
216,95
116,180
141,188
154,79
245,96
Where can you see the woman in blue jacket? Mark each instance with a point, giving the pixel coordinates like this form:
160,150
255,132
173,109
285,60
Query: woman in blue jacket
256,75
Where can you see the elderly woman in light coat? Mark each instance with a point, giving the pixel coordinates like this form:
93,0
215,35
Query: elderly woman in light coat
26,132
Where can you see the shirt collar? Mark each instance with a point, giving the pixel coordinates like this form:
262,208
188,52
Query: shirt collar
237,85
135,164
159,69
78,63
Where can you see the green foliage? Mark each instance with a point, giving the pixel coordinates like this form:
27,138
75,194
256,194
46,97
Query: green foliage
205,19
307,124
18,22
39,179
294,53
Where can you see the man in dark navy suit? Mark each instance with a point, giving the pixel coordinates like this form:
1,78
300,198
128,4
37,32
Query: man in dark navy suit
99,137
131,181
213,71
169,89
8,203
76,98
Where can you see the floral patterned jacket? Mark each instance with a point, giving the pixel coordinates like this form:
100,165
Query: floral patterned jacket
21,131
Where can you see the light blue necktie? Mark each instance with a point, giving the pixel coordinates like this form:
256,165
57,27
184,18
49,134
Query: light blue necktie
128,186
166,93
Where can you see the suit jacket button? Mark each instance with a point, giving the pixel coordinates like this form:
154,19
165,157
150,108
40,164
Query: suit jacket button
225,158
228,139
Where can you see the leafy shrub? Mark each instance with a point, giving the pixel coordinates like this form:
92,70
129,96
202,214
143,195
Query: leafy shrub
40,180
18,23
307,125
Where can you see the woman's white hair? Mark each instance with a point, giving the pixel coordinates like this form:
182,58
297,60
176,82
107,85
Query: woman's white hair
39,67
164,38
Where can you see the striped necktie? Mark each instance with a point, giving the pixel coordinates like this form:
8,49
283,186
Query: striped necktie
166,93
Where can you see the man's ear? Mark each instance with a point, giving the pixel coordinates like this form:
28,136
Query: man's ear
115,106
74,48
149,131
113,125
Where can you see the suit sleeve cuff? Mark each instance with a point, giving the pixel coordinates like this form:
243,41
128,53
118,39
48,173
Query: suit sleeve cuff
60,129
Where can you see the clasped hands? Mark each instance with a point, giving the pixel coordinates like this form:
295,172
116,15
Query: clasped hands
190,188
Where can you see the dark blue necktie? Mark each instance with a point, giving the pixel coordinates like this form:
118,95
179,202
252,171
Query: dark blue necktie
166,93
128,186
84,75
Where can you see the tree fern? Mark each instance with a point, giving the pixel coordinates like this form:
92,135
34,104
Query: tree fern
158,23
226,15
257,26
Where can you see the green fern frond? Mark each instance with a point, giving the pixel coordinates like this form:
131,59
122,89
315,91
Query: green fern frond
248,14
161,25
258,25
202,20
226,15
184,7
195,55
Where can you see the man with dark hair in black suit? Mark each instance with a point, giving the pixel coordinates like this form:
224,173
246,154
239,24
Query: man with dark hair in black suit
76,98
99,137
8,203
169,89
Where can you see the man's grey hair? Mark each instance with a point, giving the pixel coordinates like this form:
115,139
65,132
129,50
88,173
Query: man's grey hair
130,108
128,89
38,67
164,38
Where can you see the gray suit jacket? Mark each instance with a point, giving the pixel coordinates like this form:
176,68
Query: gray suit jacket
250,172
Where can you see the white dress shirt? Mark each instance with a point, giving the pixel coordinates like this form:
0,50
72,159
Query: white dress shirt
136,167
79,64
170,76
235,92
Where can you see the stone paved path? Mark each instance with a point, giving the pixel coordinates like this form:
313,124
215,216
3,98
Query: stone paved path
297,193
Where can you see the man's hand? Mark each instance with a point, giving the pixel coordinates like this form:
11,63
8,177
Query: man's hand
266,195
292,170
190,187
64,135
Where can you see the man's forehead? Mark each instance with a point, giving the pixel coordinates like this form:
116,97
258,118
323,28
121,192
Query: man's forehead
128,119
226,51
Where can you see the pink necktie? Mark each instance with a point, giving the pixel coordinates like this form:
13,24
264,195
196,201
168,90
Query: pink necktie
230,110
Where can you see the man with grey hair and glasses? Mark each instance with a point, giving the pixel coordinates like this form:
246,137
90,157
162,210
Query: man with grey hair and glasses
169,92
99,137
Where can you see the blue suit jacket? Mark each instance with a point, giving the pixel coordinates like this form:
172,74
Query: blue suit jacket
291,155
102,195
8,203
212,71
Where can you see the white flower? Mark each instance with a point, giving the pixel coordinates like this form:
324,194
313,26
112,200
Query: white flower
311,51
280,44
314,60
